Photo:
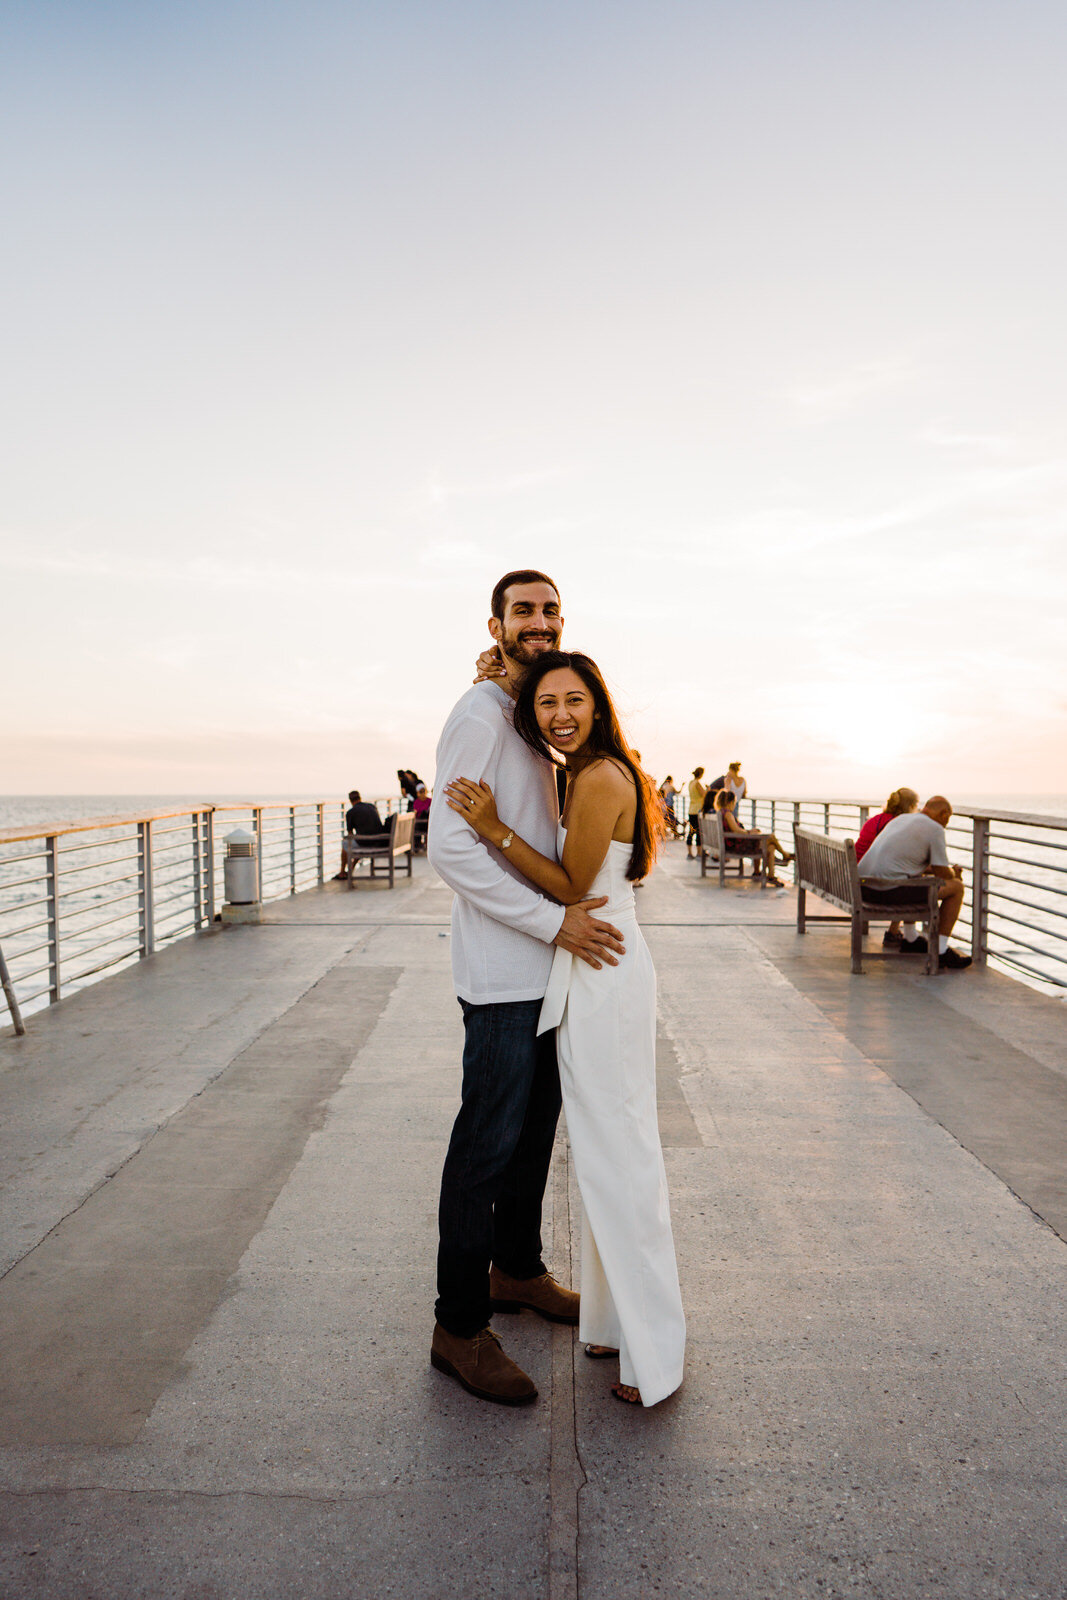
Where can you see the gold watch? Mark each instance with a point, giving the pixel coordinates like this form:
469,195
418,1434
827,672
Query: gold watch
506,841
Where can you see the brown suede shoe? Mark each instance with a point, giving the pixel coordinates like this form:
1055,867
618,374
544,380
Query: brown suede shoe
543,1295
481,1366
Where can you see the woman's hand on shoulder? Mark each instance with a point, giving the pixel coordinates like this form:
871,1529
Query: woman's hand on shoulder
489,666
473,799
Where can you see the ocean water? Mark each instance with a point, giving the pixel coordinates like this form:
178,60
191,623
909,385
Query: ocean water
99,911
29,810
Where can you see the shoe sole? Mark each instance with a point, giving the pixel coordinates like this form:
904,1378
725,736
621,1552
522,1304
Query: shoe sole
481,1394
509,1306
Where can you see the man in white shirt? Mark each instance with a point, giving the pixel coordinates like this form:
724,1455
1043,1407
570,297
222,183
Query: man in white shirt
503,931
909,847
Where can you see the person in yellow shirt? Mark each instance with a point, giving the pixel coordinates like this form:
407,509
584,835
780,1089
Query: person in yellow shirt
697,791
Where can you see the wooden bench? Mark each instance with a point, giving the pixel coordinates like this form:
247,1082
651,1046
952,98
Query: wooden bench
828,867
713,848
382,849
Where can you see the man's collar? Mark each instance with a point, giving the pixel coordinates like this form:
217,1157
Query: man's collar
497,690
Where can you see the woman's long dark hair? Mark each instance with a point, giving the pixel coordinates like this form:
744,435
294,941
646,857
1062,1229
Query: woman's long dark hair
607,739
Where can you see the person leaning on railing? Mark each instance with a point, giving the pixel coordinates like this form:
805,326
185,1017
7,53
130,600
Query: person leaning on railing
667,791
735,835
697,792
900,803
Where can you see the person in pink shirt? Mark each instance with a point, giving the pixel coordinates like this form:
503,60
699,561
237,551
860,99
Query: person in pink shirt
900,802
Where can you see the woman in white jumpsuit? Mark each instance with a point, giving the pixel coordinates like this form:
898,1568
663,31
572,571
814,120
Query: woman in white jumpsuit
606,1022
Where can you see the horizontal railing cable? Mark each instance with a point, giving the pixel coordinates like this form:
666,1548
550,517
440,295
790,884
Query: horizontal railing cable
126,884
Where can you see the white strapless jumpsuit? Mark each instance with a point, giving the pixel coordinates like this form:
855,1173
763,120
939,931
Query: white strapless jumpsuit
606,1043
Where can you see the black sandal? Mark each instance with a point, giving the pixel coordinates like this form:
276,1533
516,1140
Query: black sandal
599,1352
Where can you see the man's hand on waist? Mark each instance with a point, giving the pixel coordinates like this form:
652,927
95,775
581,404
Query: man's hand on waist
588,939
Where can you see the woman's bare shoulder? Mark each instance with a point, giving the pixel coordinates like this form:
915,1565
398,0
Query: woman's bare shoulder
606,775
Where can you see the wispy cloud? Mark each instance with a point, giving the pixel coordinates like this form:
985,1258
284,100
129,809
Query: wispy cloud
439,492
959,442
209,573
820,401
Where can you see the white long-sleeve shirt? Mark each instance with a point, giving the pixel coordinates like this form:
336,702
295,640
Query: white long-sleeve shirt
502,929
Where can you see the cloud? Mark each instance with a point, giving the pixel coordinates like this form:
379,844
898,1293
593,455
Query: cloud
439,493
960,442
821,401
215,573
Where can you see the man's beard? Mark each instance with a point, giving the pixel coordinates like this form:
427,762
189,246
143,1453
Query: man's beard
524,652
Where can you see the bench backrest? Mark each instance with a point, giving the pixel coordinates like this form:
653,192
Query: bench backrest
827,867
711,839
403,830
399,838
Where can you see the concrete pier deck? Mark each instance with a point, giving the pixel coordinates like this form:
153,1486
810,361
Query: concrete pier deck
220,1177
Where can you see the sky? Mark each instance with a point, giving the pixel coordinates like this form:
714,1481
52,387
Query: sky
745,321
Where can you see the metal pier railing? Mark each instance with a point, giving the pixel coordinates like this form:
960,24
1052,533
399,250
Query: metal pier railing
78,899
1014,865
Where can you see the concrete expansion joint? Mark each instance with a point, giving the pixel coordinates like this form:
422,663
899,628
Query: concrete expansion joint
73,1212
567,1475
49,1492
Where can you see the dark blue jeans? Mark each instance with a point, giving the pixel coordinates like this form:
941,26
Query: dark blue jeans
498,1159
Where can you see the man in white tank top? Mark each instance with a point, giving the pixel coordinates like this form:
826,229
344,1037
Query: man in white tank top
503,932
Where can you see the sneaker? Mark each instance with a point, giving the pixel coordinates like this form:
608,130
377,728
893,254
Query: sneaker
952,961
913,947
892,941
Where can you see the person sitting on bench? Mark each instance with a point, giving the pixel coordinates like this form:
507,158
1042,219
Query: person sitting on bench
909,847
361,817
900,802
734,836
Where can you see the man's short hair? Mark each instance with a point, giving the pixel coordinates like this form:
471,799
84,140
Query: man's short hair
527,575
354,795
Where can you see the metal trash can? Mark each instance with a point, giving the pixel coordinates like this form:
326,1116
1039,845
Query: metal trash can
239,869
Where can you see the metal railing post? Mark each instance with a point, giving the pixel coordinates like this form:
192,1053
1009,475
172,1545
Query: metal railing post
198,871
980,890
9,992
826,818
257,829
209,829
322,842
292,849
865,812
146,914
52,891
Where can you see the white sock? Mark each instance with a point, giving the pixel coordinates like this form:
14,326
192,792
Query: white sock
910,930
942,943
